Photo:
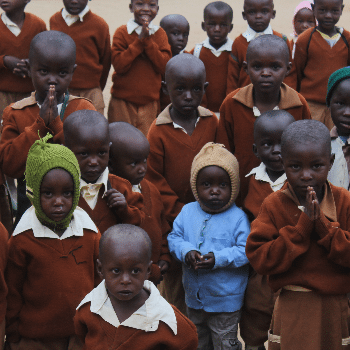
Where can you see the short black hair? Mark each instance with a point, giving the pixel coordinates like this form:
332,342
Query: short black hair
314,3
306,131
220,6
268,42
169,20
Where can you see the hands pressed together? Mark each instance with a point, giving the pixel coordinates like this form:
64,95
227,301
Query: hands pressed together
197,261
312,206
16,65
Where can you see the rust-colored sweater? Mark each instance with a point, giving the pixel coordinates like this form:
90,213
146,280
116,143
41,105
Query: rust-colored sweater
105,217
294,250
139,65
21,124
314,69
171,155
4,236
237,76
18,46
93,49
47,279
236,126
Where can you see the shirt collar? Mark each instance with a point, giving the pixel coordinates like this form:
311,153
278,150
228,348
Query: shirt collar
80,221
261,175
11,25
147,318
251,34
132,26
335,135
68,17
102,180
136,188
217,52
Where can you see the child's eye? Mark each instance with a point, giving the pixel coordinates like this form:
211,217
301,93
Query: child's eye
43,71
295,166
224,184
133,164
47,193
83,154
136,270
116,271
197,89
63,73
68,194
102,153
179,88
265,11
317,166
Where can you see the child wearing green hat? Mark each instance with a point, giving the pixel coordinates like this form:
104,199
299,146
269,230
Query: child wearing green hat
52,254
338,102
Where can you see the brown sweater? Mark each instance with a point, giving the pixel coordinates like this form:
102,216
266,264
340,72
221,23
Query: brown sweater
105,217
21,124
314,69
139,65
293,250
171,155
18,46
236,126
237,76
47,279
4,236
93,49
97,334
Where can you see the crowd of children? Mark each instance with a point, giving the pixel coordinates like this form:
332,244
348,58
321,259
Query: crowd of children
214,199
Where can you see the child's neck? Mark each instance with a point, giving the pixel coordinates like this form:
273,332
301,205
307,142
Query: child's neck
266,101
217,46
274,175
59,231
346,134
188,122
17,17
329,32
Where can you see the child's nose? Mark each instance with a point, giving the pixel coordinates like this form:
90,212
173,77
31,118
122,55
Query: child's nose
125,278
306,175
276,148
188,95
217,27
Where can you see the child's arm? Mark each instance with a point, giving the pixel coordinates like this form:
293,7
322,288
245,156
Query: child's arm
97,278
80,326
234,69
105,60
300,61
225,132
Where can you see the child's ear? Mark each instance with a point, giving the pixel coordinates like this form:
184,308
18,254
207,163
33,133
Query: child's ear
130,7
99,268
245,66
255,150
289,67
244,16
165,88
149,268
205,85
332,160
28,67
231,27
74,68
203,26
273,14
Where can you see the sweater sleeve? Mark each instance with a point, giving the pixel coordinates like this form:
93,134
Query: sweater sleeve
80,326
164,249
225,133
105,60
97,278
300,60
271,250
234,68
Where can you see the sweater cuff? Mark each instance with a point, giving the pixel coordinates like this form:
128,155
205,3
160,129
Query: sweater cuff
166,257
304,226
56,126
322,226
39,125
2,65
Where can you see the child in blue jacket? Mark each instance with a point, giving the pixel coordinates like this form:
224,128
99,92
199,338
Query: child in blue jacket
209,238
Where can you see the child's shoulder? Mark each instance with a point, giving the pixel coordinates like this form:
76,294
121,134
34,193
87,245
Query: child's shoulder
119,183
35,19
283,36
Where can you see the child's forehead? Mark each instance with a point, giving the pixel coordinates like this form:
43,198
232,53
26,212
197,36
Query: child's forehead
253,4
213,12
88,136
267,52
141,2
50,55
328,3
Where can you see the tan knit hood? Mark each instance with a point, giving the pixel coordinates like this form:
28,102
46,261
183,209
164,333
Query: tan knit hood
216,154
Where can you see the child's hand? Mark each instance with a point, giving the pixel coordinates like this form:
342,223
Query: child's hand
115,199
312,207
145,30
21,69
164,266
48,111
191,258
207,261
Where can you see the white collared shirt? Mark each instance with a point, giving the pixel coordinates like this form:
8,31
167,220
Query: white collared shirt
12,27
251,34
59,107
80,220
217,52
70,19
146,318
136,188
262,175
132,26
177,126
257,112
90,191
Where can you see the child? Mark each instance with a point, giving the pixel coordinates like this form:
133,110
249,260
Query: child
140,51
300,239
258,14
51,65
209,238
107,199
126,311
91,35
319,52
338,101
215,52
267,65
52,254
17,29
265,179
177,29
128,159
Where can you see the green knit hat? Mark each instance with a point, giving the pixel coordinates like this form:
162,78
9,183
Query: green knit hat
334,80
42,158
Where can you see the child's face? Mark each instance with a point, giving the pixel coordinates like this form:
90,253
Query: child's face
327,13
213,187
340,107
304,20
56,194
217,24
144,10
91,147
74,7
11,6
51,67
307,165
178,37
258,14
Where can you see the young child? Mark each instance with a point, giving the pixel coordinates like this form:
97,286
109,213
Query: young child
258,14
91,35
319,52
215,51
338,101
267,65
17,29
300,239
51,65
107,199
265,179
175,138
140,51
126,311
209,238
128,159
177,29
52,254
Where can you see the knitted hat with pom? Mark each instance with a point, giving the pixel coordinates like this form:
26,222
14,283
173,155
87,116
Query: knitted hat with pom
334,80
42,158
216,154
